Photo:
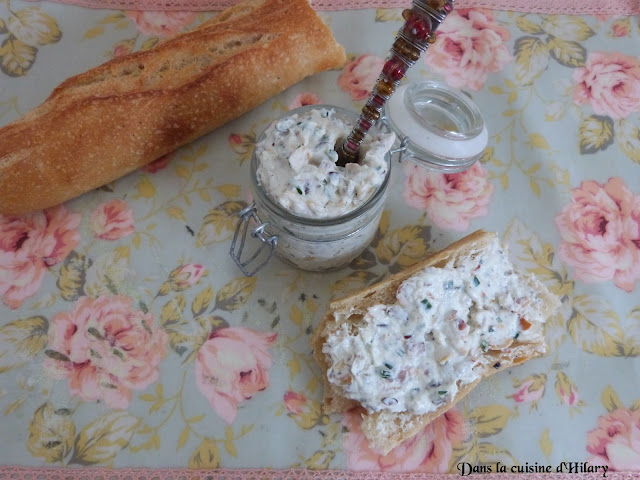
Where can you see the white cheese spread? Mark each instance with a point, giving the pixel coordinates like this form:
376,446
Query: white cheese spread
297,165
414,355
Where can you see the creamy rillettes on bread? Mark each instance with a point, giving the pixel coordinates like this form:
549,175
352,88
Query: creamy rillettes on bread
103,124
386,428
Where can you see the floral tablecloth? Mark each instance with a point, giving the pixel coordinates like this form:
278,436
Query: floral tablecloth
128,338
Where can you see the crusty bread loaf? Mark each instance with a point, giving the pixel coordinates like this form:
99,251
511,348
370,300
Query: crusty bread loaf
385,429
102,124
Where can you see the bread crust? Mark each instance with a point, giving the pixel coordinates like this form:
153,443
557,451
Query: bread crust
105,123
385,430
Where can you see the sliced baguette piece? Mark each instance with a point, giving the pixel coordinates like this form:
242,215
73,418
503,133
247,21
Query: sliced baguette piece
384,429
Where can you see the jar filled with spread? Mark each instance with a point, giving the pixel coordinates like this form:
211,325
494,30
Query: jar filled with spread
308,211
318,216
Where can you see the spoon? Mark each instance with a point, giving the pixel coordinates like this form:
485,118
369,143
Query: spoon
418,32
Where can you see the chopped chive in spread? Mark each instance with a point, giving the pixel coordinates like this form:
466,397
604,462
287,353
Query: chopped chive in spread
484,345
476,282
426,303
385,374
442,392
400,352
389,366
490,329
515,337
448,285
299,190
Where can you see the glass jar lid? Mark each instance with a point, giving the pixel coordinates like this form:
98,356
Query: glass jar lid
439,128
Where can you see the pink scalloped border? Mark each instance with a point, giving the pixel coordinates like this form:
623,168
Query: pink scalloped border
26,473
569,7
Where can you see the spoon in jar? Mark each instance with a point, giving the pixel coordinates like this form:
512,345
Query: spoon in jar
418,32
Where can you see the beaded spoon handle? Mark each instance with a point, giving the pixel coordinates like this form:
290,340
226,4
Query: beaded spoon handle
421,22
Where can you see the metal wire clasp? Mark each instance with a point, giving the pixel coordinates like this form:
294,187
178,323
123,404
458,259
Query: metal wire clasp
404,140
247,215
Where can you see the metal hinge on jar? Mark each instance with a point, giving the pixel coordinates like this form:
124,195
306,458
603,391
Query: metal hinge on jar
404,141
268,241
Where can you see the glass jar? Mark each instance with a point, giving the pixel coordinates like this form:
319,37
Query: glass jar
306,243
437,127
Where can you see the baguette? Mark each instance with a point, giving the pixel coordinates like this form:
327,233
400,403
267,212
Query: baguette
105,123
384,428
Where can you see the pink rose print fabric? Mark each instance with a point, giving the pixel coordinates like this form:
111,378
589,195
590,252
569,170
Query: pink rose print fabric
158,164
232,366
235,139
186,276
296,403
615,442
29,245
304,99
527,394
470,46
105,348
570,398
600,230
427,452
621,27
567,391
122,48
112,220
450,200
610,83
302,410
360,75
163,24
530,390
